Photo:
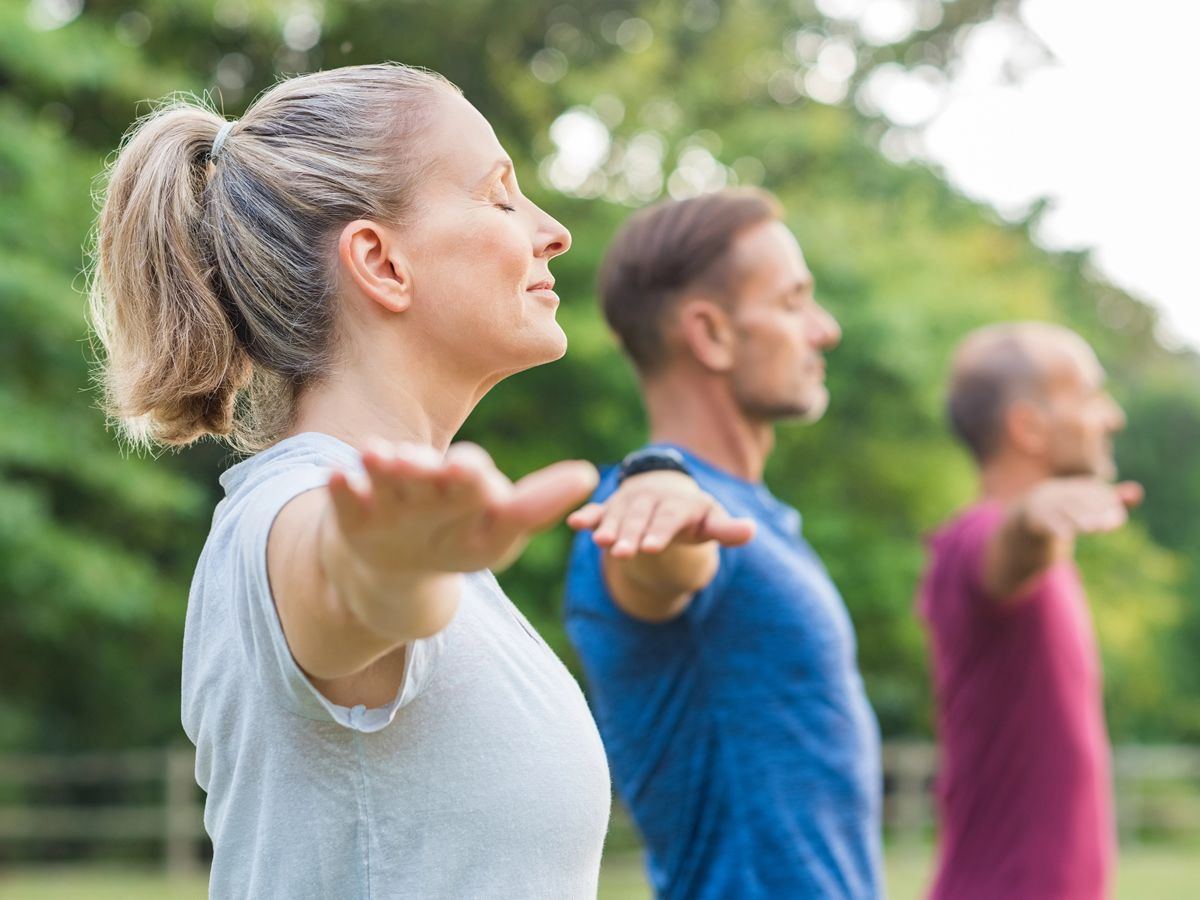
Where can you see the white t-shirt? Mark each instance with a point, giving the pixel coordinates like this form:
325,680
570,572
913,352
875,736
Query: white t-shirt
484,777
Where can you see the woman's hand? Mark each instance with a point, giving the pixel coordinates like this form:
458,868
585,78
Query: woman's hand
416,512
360,569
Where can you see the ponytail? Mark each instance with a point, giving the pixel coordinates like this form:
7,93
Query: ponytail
214,288
174,362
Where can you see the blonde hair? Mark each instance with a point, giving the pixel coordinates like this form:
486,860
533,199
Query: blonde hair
213,280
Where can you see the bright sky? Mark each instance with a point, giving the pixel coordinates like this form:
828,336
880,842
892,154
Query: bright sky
1107,130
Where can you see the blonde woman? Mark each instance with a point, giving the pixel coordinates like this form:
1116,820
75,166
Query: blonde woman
332,283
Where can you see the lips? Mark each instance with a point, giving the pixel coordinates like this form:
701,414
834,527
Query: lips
544,285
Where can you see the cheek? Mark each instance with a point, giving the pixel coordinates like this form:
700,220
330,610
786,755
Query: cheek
501,251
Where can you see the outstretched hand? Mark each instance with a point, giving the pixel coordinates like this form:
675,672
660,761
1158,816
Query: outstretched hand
656,510
416,511
1063,508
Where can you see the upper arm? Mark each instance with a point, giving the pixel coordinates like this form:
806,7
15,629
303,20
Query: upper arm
347,662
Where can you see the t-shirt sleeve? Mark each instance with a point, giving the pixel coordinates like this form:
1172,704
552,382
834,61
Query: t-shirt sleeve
965,555
707,598
266,649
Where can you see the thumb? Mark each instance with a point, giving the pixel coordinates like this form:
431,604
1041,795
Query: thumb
1130,493
729,532
543,497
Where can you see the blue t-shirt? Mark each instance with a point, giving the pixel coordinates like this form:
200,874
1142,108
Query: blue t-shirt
739,733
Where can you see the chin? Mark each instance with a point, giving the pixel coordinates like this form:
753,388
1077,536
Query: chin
814,407
807,411
547,347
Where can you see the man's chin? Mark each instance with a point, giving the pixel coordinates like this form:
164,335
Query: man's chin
814,409
806,412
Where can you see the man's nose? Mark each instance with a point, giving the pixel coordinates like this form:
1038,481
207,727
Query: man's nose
1116,416
828,332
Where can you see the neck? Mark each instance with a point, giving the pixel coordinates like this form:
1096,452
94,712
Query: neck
1008,477
699,413
370,399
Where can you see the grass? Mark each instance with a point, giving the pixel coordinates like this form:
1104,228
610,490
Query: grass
1164,872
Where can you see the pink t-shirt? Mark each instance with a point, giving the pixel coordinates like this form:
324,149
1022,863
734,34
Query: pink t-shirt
1024,789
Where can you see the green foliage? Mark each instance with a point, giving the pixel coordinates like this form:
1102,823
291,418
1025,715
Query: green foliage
96,549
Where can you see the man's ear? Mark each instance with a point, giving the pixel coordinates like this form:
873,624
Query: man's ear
1026,428
706,330
370,256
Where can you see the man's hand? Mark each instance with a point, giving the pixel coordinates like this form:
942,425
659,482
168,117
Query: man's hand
1062,508
652,511
661,532
1041,528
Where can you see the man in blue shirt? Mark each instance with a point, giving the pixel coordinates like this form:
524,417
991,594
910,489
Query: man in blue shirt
720,656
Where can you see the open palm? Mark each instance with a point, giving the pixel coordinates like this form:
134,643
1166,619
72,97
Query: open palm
414,510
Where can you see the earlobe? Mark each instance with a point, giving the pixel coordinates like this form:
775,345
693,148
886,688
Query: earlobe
708,334
370,257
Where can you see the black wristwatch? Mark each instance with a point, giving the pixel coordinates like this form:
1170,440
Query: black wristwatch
652,459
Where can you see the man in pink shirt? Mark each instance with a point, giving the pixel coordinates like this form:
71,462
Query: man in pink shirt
1024,788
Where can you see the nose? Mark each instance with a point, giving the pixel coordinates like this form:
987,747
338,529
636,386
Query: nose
828,333
552,239
1116,416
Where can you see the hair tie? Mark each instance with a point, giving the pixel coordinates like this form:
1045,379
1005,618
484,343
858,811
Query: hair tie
219,140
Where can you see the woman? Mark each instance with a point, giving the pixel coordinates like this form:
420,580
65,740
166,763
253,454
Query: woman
333,282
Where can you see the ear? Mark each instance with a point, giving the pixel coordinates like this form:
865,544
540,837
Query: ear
708,333
370,255
1026,428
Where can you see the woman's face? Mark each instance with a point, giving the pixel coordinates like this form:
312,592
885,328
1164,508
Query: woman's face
480,254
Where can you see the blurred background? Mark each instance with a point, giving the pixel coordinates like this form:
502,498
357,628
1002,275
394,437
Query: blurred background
944,164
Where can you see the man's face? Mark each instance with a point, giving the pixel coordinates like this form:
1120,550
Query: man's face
781,330
1081,415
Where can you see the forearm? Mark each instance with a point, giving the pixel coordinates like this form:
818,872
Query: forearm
657,586
394,602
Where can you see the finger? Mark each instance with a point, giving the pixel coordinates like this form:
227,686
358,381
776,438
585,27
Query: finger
349,505
470,476
670,519
725,529
1130,493
375,461
543,497
632,526
586,517
408,472
1096,519
614,512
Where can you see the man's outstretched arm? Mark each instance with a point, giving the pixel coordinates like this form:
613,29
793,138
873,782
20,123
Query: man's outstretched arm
1041,526
659,535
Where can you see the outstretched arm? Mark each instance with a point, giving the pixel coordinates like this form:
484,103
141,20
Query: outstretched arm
660,534
1040,528
367,564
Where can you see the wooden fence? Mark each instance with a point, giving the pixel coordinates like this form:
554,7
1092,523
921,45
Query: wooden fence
1157,791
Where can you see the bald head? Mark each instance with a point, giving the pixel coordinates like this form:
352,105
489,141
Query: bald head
997,366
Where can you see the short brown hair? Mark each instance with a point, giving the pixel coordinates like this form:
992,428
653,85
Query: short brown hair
665,249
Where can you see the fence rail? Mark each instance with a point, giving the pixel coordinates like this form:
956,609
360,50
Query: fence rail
1157,791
